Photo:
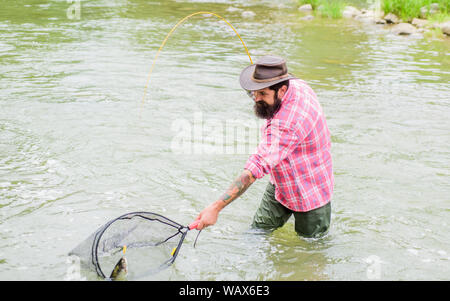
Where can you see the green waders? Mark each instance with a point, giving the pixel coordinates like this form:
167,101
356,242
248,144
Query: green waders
271,215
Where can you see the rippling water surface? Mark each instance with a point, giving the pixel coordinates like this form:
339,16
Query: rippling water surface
78,146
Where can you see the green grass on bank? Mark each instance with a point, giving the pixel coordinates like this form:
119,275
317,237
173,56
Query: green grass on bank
327,8
409,9
405,9
333,8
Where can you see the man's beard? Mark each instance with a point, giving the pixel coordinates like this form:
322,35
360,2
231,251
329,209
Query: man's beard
265,111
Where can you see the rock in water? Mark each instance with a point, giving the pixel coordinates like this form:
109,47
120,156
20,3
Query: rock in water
350,12
305,8
391,18
445,27
420,23
403,29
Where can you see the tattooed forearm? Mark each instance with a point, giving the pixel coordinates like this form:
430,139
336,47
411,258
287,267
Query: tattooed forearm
238,187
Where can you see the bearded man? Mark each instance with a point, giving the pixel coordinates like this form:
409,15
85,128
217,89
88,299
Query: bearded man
295,150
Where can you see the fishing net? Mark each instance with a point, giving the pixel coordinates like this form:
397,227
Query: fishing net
152,243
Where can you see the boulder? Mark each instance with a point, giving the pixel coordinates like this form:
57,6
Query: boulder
420,23
403,29
391,18
380,21
305,8
445,27
350,12
434,6
431,10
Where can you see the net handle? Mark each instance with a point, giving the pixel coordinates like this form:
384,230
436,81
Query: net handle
194,225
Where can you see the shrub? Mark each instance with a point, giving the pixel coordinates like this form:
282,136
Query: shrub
409,9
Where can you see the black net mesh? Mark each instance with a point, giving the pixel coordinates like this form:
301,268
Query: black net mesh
152,243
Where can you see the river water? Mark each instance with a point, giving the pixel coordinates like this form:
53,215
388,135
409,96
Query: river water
79,145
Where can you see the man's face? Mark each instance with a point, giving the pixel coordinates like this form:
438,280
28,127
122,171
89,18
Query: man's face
266,102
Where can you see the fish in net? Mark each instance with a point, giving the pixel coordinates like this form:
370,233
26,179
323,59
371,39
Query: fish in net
151,241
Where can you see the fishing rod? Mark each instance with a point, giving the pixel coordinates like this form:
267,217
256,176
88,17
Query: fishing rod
205,13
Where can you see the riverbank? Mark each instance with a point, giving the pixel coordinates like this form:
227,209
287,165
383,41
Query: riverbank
429,20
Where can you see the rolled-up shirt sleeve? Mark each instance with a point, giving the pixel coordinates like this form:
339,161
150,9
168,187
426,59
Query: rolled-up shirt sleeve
277,143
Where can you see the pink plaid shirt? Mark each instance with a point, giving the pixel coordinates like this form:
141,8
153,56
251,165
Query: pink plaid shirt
295,150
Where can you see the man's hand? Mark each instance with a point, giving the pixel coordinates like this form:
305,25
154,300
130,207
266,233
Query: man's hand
209,215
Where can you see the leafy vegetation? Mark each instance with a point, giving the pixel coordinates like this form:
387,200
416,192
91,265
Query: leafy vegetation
327,8
405,9
333,8
409,9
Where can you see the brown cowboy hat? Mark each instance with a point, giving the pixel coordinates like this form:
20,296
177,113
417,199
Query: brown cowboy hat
267,71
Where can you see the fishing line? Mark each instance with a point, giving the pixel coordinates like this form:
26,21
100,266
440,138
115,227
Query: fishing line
173,29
